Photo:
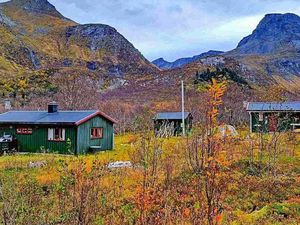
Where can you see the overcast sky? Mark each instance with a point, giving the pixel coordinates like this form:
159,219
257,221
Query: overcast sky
177,28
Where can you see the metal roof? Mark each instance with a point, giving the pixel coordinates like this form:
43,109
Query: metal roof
273,106
171,116
43,117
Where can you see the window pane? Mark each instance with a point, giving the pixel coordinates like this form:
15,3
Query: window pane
96,132
50,134
63,136
100,132
57,134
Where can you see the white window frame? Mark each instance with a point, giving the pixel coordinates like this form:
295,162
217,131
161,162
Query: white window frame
51,134
261,117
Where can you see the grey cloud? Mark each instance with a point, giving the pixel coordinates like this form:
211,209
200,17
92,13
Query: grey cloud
134,12
175,9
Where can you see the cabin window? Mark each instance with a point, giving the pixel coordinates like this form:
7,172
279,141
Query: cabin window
56,134
97,133
24,130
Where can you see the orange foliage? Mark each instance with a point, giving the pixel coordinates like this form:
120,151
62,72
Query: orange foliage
216,91
48,177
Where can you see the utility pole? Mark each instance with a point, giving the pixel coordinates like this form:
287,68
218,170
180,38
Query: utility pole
182,104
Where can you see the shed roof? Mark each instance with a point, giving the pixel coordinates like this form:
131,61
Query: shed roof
274,106
43,117
171,116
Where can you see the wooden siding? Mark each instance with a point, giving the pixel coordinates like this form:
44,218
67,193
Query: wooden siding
39,139
84,135
284,121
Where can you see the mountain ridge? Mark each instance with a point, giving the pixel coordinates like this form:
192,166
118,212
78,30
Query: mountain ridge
275,32
37,45
163,64
276,37
34,6
37,25
270,55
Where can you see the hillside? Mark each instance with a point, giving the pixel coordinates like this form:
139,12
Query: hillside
45,56
275,33
37,40
270,55
273,50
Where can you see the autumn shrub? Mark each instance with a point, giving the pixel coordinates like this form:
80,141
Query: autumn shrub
24,200
78,192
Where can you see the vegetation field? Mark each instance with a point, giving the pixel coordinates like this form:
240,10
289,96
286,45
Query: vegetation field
166,185
207,177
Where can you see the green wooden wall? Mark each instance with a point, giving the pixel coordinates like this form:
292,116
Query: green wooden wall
284,121
84,135
80,137
39,139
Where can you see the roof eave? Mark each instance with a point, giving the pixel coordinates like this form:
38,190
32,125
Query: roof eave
98,113
248,110
169,118
38,123
188,114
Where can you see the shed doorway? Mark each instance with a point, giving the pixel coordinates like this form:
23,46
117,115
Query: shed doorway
273,123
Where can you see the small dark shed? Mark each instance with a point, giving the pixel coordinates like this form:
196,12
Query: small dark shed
170,123
274,116
59,131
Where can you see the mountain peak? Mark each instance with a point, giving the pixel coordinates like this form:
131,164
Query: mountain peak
160,60
277,15
35,6
273,33
279,20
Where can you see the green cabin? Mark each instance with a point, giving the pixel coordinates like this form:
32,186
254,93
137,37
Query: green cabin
268,117
170,123
64,132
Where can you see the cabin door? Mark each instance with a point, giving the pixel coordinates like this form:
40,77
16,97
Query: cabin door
273,123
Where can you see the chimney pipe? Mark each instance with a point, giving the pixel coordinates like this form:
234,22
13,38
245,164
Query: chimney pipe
52,107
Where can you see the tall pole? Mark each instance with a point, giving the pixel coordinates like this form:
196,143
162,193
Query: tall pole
182,104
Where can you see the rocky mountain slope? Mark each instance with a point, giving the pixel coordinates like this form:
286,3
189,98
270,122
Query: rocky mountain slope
272,51
163,64
270,55
274,34
38,43
36,39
